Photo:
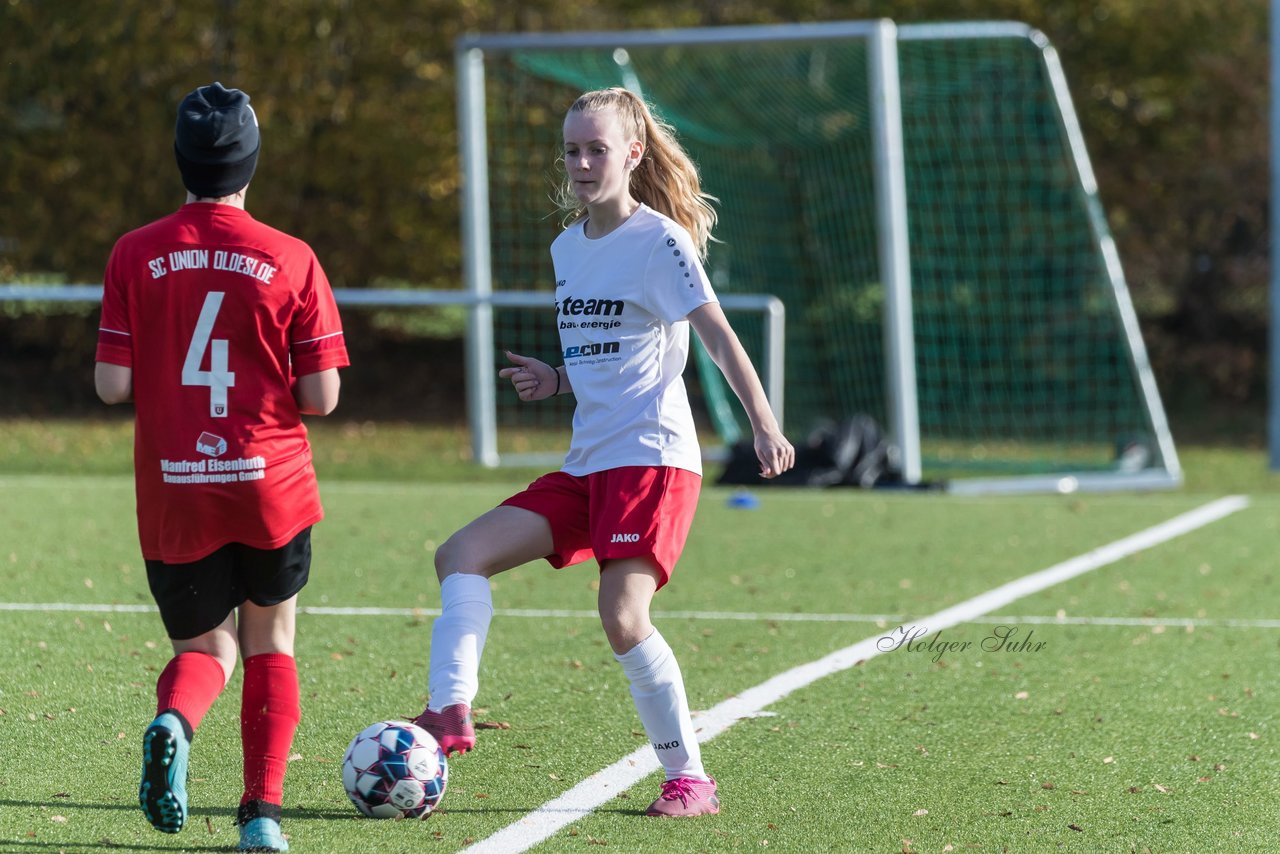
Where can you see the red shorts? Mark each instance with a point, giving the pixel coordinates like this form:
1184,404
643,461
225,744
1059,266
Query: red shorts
632,511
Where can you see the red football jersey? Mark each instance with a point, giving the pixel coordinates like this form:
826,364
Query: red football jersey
218,314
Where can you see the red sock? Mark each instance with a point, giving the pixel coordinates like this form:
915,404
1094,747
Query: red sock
189,684
269,714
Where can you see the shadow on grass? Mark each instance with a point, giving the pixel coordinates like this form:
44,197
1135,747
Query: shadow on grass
191,840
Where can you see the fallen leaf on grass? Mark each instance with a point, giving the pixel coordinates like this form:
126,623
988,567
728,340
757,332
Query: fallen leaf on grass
591,840
1077,828
1107,760
1047,786
1160,788
58,818
208,824
492,725
920,812
1021,695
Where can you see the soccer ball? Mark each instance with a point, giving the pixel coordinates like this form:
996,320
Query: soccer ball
394,769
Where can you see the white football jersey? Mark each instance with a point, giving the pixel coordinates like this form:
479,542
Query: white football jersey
621,304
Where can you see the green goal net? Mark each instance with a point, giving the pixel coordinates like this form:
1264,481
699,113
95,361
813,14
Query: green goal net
1027,360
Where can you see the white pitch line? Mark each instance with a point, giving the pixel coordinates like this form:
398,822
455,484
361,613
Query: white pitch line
605,784
1193,622
743,616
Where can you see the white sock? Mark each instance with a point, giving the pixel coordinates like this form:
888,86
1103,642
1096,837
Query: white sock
457,640
658,690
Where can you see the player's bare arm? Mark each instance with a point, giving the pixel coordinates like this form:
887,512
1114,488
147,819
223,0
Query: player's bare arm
317,394
772,448
114,383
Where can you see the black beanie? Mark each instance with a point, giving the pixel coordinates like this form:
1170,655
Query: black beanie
216,141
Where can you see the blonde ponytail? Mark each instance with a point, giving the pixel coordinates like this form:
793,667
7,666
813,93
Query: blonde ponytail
665,179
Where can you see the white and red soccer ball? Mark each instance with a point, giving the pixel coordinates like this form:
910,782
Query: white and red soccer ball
394,769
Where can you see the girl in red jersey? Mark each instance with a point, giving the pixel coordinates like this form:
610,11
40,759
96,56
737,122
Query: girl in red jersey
629,284
223,331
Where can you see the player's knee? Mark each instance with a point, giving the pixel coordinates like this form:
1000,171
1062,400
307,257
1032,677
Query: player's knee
624,630
452,557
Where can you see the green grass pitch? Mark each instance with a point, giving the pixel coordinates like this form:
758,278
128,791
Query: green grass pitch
1136,732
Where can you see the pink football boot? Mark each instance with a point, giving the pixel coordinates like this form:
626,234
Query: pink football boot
685,796
451,727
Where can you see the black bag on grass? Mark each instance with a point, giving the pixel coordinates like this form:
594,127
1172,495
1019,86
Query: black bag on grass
850,453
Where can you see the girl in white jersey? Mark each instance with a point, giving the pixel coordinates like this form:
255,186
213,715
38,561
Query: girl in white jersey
629,284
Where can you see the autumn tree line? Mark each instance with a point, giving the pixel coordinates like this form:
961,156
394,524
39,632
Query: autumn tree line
359,158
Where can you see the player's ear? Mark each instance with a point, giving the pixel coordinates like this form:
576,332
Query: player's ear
635,153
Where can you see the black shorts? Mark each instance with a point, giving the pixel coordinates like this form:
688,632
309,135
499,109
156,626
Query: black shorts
196,597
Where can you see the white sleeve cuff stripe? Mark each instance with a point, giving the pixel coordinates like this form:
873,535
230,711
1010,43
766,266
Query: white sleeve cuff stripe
114,331
312,340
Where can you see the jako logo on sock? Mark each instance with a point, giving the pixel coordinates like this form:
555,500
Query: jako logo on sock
625,538
666,745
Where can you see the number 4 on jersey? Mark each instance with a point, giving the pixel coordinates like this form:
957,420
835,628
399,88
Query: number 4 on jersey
217,378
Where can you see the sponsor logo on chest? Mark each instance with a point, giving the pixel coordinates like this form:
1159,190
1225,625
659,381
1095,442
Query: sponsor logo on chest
569,306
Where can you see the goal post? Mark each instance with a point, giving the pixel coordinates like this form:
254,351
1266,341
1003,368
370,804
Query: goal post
918,197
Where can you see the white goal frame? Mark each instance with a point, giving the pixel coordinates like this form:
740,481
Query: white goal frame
882,37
